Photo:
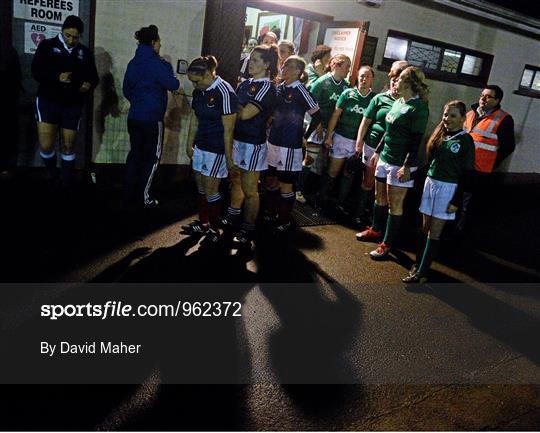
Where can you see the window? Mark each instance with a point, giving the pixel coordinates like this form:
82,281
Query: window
530,82
439,60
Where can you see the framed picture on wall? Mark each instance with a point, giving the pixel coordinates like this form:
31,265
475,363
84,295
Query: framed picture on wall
269,21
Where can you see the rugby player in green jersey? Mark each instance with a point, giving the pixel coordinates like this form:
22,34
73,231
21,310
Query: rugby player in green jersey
371,132
405,125
341,135
450,152
326,91
320,59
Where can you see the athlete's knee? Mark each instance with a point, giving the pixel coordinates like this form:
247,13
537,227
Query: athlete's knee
312,153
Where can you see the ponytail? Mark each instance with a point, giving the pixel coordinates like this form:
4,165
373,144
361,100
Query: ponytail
202,64
147,35
415,77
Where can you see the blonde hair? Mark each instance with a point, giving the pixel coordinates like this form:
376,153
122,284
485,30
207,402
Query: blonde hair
415,77
338,59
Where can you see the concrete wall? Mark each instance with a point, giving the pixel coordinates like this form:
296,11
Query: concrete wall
181,25
511,52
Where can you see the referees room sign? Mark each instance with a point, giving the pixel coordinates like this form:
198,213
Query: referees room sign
51,11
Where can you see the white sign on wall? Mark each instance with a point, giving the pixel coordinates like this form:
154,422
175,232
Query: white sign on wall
342,41
52,11
34,33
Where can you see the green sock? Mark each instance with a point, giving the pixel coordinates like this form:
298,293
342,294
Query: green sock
380,215
420,246
430,252
392,228
326,187
344,188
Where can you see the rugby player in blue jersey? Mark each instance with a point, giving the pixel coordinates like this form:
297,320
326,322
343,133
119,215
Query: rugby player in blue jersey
210,143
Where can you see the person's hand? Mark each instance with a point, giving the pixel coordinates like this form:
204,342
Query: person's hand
65,77
373,160
404,174
85,87
328,143
233,171
451,208
358,148
230,164
189,152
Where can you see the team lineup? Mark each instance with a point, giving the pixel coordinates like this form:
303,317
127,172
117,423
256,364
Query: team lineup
289,132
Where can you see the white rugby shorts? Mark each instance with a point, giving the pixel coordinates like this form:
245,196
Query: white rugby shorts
250,157
436,197
209,164
388,172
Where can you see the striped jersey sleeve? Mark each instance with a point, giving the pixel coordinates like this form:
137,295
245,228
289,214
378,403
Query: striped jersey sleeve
229,100
309,102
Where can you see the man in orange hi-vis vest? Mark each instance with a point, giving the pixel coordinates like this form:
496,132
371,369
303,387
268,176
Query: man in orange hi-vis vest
492,130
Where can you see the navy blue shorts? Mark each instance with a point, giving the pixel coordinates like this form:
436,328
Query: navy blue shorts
67,117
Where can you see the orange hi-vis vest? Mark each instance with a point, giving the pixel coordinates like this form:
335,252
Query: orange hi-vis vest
486,142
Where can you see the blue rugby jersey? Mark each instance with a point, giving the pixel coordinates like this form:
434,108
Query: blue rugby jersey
262,94
209,105
293,101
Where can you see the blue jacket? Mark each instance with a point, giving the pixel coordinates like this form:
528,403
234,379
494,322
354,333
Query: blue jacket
147,79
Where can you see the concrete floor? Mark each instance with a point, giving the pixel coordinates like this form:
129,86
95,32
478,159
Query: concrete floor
458,354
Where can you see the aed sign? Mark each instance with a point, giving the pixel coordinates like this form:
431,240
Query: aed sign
51,11
35,33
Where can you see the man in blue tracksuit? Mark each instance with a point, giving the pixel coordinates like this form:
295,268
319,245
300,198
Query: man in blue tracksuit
147,79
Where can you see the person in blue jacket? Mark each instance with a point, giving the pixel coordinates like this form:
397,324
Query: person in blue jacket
147,80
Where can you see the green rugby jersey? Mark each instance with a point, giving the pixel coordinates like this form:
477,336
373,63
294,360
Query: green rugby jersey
377,109
353,105
452,157
326,92
404,119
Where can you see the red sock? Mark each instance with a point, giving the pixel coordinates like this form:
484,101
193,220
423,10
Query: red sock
286,205
202,204
272,201
214,210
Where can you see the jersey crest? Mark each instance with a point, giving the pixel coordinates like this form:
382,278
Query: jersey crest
289,98
455,148
252,89
211,101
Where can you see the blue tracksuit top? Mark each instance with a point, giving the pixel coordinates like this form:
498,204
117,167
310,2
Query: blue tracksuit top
147,79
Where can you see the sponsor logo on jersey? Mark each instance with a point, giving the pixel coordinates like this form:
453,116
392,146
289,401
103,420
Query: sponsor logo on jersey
389,118
280,163
334,97
242,162
357,109
455,148
211,101
204,167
